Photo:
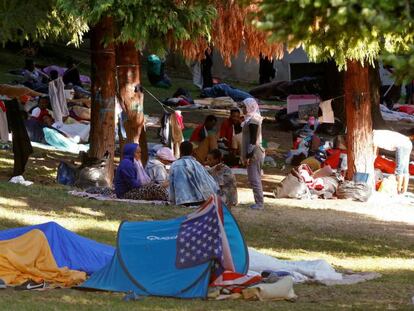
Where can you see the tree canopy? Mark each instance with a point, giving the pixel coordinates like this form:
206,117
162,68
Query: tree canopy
187,26
37,20
361,30
155,25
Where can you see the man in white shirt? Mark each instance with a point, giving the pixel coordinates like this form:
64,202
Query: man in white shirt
402,145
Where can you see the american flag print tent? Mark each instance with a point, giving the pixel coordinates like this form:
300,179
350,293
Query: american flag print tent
148,258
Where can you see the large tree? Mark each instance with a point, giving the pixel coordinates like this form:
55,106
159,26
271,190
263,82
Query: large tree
354,33
185,26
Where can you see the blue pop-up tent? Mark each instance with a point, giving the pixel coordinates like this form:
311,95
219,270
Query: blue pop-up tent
145,261
69,249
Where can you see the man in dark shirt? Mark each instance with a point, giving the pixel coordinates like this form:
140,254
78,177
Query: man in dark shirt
202,140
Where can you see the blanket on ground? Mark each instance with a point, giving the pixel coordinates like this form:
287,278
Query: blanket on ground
29,257
60,142
390,115
52,148
309,271
112,197
15,91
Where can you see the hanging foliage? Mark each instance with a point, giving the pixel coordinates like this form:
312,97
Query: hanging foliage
231,31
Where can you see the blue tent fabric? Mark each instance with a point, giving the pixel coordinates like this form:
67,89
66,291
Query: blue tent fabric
144,262
69,249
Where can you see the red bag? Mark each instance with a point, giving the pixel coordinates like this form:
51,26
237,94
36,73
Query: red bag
388,166
333,158
385,165
406,109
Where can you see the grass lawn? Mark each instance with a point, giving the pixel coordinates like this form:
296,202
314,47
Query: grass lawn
347,240
286,229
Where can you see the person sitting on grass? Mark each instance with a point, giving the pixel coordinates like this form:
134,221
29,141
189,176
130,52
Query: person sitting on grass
131,180
156,168
156,72
224,177
190,183
203,139
34,78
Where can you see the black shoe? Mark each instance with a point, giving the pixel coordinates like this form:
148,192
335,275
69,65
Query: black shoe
31,285
2,284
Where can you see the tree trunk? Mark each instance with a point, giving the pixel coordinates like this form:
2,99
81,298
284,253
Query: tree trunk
129,93
358,120
102,136
375,89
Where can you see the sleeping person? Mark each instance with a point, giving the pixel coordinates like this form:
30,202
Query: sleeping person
78,132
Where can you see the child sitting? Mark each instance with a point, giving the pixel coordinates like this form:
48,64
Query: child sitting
224,177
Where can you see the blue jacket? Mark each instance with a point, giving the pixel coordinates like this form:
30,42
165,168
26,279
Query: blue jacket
126,176
190,182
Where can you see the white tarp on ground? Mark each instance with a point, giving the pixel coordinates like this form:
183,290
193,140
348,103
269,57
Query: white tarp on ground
52,148
390,115
305,270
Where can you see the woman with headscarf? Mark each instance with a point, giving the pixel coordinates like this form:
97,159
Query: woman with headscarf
131,180
252,152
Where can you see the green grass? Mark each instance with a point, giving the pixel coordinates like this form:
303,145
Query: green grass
347,240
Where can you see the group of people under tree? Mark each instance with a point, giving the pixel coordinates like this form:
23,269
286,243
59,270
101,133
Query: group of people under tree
200,171
207,155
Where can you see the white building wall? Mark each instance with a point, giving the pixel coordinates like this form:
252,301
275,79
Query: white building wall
248,70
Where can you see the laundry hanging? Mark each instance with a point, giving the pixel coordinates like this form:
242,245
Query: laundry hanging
327,112
4,127
58,99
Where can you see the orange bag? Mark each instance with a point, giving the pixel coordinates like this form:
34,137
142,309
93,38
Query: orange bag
385,165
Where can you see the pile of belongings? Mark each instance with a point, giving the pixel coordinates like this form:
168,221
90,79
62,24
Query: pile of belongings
48,256
181,98
91,173
303,183
49,120
216,103
302,108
